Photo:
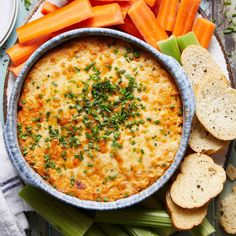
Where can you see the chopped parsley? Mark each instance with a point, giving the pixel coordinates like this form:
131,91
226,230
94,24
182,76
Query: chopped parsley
112,177
72,181
27,4
79,156
63,155
48,163
77,69
88,67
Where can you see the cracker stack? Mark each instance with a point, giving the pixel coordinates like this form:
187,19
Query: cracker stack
199,180
214,125
215,120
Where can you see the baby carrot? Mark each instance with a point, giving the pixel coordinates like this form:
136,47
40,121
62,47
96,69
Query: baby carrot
48,7
146,23
151,3
124,6
185,17
204,30
130,28
167,14
156,7
19,53
70,14
105,15
15,70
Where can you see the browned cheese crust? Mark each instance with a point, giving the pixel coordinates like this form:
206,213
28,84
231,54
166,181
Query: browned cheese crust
99,119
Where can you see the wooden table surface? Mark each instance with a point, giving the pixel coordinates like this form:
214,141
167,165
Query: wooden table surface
216,10
221,13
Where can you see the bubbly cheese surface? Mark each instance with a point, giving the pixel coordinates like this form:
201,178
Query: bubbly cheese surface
99,119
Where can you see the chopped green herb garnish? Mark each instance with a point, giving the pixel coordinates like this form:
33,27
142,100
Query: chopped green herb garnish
136,54
48,163
115,50
227,3
23,101
88,67
77,69
112,177
79,156
54,83
63,155
27,4
72,180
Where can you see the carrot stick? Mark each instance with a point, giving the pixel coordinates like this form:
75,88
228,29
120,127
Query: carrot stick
19,53
146,23
106,15
204,30
130,28
167,14
48,7
124,6
70,14
15,70
112,0
151,3
131,2
156,7
185,17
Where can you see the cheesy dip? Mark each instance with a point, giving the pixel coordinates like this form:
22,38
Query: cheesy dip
99,119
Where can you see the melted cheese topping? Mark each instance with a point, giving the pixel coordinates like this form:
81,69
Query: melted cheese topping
99,119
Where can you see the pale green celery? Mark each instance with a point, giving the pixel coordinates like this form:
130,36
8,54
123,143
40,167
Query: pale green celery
170,47
139,217
113,230
66,219
163,231
153,203
204,229
138,231
94,230
186,40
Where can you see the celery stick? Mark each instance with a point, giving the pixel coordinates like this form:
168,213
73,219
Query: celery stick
94,230
204,229
66,219
138,231
153,203
113,230
170,47
165,231
139,217
186,40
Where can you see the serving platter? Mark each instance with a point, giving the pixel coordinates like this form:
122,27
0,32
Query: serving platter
216,49
8,12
